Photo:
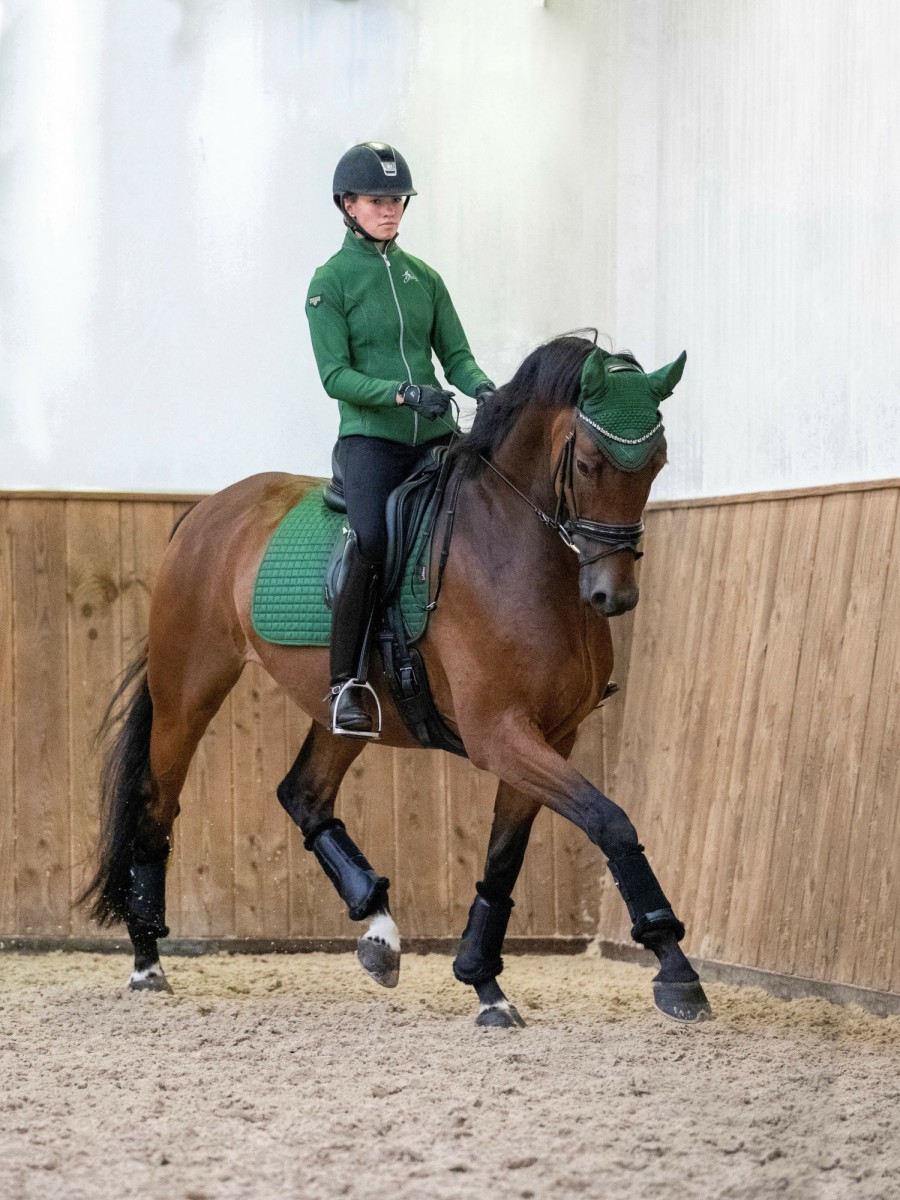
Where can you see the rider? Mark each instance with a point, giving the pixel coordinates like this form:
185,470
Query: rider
375,316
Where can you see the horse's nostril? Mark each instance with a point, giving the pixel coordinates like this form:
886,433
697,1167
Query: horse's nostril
599,599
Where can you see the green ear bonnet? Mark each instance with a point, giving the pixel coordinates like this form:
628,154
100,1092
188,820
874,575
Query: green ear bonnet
619,406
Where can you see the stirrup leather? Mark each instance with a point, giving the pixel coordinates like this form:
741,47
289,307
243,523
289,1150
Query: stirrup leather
334,696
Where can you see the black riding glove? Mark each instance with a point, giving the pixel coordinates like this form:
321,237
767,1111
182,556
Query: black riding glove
484,391
430,401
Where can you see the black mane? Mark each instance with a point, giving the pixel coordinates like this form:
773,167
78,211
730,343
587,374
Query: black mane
550,375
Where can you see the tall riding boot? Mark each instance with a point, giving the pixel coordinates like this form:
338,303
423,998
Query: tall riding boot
349,617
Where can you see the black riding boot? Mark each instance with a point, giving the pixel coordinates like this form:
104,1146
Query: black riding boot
349,616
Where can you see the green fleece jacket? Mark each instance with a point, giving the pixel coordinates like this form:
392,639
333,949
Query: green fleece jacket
374,320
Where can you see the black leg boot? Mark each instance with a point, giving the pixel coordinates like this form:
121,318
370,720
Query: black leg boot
349,617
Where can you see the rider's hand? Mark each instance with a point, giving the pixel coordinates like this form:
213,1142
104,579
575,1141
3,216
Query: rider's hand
430,401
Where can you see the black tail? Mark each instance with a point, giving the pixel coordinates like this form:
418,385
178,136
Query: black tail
124,791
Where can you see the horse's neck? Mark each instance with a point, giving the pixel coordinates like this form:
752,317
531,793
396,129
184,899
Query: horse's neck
501,527
524,458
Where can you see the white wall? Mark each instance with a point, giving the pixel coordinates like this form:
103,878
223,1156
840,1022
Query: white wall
776,167
168,196
681,173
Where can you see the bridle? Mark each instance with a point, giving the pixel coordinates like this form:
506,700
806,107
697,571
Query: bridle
613,537
565,521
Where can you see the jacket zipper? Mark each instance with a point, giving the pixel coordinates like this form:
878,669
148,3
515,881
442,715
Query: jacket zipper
402,354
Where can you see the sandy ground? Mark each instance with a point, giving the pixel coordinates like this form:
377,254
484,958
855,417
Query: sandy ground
279,1076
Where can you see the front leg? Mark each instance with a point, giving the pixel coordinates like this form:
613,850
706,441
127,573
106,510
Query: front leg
516,750
478,961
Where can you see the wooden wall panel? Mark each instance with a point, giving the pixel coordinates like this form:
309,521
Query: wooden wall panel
205,835
41,722
261,826
781,762
8,865
420,898
95,657
756,745
303,868
470,807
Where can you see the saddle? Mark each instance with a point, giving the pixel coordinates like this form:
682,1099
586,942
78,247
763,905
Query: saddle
411,514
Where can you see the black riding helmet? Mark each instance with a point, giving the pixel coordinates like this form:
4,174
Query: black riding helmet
371,169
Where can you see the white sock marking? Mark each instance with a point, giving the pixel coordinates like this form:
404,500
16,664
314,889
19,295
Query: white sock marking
382,928
499,1005
150,972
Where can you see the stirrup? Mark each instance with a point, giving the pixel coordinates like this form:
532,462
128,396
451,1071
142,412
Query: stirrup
334,696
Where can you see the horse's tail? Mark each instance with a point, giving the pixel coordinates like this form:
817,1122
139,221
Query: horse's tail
124,791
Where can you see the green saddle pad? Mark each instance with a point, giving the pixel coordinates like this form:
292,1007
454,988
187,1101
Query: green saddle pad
288,600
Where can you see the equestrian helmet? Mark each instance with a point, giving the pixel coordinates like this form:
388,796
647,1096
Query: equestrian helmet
372,169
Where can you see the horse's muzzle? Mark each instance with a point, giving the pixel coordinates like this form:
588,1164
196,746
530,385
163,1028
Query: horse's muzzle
614,603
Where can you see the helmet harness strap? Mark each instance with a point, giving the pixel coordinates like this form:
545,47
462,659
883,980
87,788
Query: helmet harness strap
352,223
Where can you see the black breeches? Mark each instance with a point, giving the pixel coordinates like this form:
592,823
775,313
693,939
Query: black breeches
372,468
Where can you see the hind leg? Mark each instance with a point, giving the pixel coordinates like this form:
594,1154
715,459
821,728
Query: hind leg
182,710
172,746
307,793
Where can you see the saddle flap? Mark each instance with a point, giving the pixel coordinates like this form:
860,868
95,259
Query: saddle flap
333,491
404,515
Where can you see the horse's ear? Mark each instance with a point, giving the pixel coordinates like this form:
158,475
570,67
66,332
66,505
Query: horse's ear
594,379
664,381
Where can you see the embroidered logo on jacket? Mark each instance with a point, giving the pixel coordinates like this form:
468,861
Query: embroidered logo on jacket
315,301
408,277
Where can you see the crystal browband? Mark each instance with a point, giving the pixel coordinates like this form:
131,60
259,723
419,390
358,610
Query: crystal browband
623,441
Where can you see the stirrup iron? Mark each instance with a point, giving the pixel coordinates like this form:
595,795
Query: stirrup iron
334,696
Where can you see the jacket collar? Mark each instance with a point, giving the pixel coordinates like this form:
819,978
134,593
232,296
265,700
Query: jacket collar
361,246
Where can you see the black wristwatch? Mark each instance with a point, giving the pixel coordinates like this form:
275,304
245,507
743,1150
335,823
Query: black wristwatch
412,390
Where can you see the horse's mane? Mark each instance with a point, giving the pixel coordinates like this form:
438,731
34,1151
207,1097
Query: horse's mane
549,376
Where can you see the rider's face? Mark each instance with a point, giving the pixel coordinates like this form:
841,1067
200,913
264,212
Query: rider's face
379,216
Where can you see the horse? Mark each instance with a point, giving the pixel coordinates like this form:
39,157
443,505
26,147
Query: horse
518,652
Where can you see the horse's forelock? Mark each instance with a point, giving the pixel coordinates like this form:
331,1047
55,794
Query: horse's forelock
549,376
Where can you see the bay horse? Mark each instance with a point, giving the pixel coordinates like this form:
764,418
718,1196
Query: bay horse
518,652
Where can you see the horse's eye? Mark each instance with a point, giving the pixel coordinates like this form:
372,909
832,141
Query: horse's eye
583,468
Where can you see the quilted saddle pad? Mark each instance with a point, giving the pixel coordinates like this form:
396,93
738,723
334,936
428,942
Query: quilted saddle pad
289,601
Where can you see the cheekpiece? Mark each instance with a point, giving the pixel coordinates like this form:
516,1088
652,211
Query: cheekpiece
619,406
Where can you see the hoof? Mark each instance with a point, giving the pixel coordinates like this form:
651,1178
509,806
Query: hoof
499,1016
379,961
684,1002
151,980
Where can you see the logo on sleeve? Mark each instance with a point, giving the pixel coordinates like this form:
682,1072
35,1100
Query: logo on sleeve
315,301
